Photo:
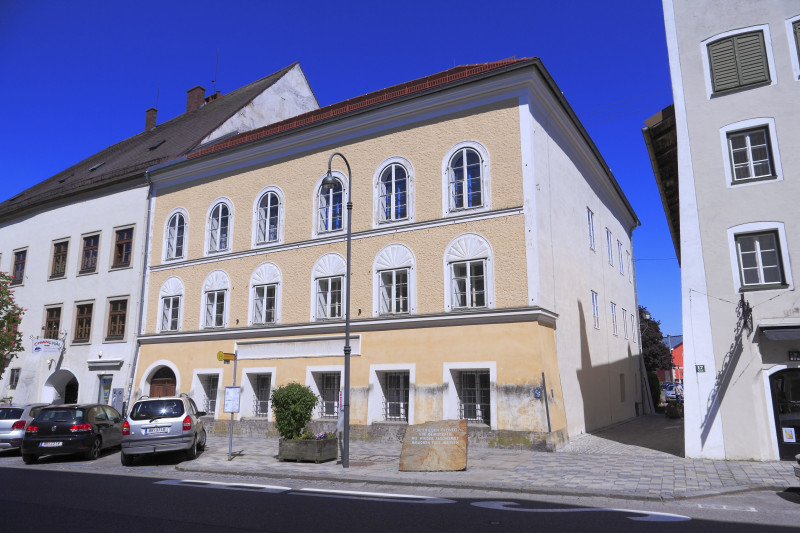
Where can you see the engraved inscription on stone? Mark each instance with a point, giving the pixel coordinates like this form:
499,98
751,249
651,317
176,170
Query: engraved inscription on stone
435,447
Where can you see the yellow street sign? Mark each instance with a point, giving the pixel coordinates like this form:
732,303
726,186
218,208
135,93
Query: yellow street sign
222,356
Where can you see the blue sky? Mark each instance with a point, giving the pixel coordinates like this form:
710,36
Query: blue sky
78,76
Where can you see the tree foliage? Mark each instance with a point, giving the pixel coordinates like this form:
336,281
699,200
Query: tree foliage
10,318
292,405
655,353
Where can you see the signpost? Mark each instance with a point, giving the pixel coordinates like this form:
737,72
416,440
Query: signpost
231,395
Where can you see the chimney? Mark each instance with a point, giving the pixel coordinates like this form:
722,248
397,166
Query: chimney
150,119
195,98
213,97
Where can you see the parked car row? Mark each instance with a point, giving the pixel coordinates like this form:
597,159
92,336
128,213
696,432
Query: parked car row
154,425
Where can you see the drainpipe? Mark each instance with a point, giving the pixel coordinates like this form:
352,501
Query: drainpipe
141,293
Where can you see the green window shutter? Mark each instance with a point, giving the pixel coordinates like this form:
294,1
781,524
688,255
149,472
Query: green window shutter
722,56
751,58
738,61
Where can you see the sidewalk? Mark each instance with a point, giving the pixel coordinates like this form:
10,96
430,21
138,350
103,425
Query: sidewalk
610,463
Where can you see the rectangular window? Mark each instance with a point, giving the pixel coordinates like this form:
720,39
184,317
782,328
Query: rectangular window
750,154
396,400
393,291
796,30
759,260
263,383
122,248
625,323
170,309
210,384
59,259
117,312
633,327
18,274
89,254
590,217
474,396
468,284
329,406
738,61
83,322
52,322
619,256
215,309
609,244
13,378
595,311
614,329
628,262
329,298
264,304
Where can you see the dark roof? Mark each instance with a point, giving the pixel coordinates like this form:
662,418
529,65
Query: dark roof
124,163
435,82
661,139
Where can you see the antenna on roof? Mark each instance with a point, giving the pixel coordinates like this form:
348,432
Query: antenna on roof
216,69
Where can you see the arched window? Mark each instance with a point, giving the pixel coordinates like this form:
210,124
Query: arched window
469,277
219,226
330,208
216,289
465,183
393,193
394,283
175,236
265,291
327,290
267,218
170,305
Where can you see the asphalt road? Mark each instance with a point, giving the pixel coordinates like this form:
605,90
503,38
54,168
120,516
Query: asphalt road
48,499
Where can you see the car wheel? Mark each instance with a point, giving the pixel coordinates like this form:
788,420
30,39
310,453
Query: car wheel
191,453
201,445
29,458
125,459
94,451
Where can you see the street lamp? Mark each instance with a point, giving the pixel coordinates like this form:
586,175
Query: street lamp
329,183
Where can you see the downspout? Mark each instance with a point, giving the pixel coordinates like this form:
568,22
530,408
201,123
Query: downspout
141,293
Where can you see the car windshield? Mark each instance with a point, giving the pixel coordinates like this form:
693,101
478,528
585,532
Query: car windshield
10,414
150,409
60,415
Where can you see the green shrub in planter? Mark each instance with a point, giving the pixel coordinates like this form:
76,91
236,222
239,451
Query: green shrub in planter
674,410
292,405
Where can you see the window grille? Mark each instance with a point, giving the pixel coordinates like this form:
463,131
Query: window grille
329,407
395,404
261,400
210,385
474,396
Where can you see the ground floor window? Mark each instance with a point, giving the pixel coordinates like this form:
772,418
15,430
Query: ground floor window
473,396
395,390
328,384
262,384
210,384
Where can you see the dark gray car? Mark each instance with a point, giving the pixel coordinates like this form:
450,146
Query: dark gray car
166,424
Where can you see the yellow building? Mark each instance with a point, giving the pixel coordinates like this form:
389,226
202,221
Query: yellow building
476,275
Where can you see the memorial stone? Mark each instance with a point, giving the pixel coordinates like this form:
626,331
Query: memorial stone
435,447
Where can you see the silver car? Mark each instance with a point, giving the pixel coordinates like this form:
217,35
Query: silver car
13,421
164,424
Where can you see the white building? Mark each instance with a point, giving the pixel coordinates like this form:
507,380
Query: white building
75,244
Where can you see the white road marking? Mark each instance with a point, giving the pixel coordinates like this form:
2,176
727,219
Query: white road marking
371,496
649,515
724,507
250,487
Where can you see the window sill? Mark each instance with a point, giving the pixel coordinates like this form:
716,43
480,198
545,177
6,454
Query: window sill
114,268
80,341
734,183
733,90
217,252
113,340
16,284
772,287
87,272
55,277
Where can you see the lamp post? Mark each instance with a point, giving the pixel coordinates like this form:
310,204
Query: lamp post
328,183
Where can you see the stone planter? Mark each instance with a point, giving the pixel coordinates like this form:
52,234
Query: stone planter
307,450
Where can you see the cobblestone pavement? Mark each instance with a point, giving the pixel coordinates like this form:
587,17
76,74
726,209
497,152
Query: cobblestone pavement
609,463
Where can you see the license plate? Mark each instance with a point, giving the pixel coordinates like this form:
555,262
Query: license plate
152,431
49,444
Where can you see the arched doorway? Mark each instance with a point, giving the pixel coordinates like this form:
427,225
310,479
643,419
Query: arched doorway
163,382
61,387
785,388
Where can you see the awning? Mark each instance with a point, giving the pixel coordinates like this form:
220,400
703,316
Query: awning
780,333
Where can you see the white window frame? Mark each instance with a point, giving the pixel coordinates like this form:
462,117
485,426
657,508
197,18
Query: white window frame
165,249
450,397
614,327
265,274
394,257
486,196
255,243
590,217
625,322
767,123
216,281
330,265
171,288
630,266
468,247
619,256
633,327
376,394
764,28
378,220
595,311
793,48
610,247
760,227
207,243
316,231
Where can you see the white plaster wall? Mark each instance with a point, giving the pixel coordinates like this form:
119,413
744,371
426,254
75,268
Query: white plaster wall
717,409
38,232
289,96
